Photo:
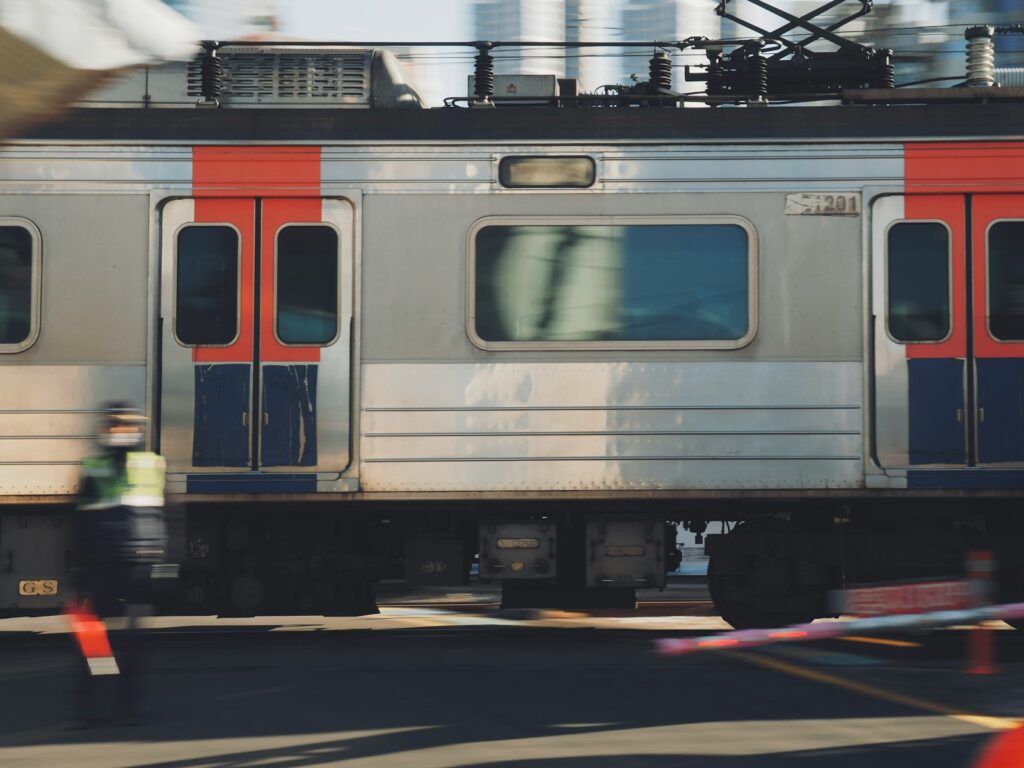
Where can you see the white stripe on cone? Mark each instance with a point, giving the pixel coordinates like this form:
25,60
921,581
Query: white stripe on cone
103,665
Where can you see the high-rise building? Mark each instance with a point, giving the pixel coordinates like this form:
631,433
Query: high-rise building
591,21
665,20
527,20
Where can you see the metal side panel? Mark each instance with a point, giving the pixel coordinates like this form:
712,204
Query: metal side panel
892,387
1001,395
595,426
177,390
221,438
48,417
34,549
333,383
288,438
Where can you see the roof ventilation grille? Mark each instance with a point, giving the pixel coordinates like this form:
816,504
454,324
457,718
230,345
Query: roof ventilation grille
267,76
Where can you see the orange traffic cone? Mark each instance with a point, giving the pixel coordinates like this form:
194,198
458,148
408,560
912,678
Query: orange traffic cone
91,636
981,653
1004,751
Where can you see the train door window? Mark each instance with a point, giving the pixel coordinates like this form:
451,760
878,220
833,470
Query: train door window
19,284
918,281
307,284
1006,280
207,284
627,284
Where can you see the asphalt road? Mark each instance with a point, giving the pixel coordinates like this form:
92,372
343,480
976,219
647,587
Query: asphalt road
434,687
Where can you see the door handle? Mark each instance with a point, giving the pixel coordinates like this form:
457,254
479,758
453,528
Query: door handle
245,418
266,418
960,415
981,415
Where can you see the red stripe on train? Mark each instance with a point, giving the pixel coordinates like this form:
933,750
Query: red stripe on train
937,176
256,171
224,182
964,167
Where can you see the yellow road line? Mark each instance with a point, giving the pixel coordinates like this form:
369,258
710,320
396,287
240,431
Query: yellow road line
777,665
880,641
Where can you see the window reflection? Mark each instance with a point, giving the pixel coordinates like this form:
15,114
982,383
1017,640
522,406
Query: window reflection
307,284
612,283
1006,280
206,305
15,284
918,281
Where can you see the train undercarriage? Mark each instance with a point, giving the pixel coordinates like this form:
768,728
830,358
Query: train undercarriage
770,563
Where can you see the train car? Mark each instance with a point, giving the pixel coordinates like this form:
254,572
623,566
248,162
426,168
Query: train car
375,339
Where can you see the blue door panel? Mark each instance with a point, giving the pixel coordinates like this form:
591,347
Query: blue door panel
288,437
936,395
220,437
1001,395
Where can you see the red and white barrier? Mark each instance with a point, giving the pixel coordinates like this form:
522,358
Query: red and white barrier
749,638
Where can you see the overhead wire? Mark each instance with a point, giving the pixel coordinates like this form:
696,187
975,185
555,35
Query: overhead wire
533,50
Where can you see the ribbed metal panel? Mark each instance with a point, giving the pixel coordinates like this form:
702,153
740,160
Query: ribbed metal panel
290,77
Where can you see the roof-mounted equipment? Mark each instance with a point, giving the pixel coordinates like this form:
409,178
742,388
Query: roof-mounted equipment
781,63
294,74
982,71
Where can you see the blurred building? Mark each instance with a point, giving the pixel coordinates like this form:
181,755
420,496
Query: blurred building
927,36
665,20
591,21
532,20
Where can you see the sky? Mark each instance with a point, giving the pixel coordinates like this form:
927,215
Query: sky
413,20
387,21
427,21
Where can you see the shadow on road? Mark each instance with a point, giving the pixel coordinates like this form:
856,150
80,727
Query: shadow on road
509,698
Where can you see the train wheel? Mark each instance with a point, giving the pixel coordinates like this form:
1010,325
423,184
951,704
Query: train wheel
752,585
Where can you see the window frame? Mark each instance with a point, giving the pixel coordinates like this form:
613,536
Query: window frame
988,281
614,221
337,302
949,280
35,285
238,285
504,160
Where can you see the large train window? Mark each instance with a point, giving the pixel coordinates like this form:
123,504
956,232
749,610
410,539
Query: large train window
20,264
918,280
206,285
1006,280
589,283
307,284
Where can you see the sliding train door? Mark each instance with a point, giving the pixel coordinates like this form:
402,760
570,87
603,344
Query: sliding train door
948,331
256,314
997,244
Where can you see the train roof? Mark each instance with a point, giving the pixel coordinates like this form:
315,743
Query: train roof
294,91
942,119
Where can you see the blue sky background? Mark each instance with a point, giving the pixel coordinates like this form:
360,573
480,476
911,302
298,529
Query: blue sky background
389,20
378,19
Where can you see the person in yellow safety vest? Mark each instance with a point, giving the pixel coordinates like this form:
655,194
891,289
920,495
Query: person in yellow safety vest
121,541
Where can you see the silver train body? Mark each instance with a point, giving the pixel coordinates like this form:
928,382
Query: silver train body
407,429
